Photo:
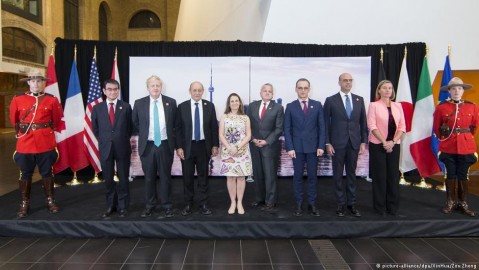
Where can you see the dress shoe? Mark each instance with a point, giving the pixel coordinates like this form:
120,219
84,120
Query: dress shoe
205,210
232,208
240,209
186,211
354,211
168,212
257,204
268,207
123,213
313,211
299,210
147,213
340,211
108,212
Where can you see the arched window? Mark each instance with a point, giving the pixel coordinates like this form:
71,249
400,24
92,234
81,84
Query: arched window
22,45
103,23
71,19
145,19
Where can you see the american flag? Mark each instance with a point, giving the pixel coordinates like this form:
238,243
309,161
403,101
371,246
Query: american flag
94,97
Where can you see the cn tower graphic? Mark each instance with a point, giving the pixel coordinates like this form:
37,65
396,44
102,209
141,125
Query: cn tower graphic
211,89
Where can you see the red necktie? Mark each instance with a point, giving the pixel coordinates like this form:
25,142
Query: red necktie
112,114
305,107
262,111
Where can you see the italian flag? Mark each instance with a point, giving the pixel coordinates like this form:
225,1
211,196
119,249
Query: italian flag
421,130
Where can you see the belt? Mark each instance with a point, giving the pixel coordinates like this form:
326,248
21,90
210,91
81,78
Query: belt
461,130
35,126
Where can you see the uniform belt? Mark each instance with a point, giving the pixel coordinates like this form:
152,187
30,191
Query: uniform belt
461,130
35,126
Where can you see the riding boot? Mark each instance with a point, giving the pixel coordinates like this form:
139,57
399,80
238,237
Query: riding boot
25,186
48,188
451,193
462,192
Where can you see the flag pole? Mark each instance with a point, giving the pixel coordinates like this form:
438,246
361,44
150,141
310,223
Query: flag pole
442,187
96,179
74,181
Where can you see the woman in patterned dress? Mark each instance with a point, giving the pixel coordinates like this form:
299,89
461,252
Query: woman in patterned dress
235,134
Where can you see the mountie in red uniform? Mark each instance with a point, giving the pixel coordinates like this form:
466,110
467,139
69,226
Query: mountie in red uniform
35,117
455,123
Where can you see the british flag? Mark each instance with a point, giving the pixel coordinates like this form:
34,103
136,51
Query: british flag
94,97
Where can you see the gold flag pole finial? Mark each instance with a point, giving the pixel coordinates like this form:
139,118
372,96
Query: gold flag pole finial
403,181
381,55
116,53
94,52
427,51
405,51
53,49
449,49
74,181
75,53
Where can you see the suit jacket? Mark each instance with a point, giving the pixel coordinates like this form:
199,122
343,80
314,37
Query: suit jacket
304,133
117,136
185,126
378,118
141,121
270,127
339,128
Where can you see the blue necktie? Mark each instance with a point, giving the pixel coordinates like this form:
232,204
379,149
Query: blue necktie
156,124
197,123
348,106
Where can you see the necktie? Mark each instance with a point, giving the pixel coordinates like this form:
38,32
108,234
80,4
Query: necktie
348,106
197,123
156,124
305,107
262,111
112,114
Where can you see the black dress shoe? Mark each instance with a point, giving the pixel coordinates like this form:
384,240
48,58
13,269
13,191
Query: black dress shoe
354,211
257,204
268,207
313,211
205,210
147,213
123,213
108,212
340,211
299,211
168,212
186,211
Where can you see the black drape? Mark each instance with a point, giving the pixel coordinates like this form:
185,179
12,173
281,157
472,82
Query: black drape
64,52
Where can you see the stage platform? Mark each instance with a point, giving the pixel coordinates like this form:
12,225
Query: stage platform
82,206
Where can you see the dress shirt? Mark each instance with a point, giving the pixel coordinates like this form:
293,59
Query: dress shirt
151,129
200,108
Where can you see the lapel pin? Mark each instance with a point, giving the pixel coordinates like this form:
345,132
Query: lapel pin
121,108
205,104
357,99
312,106
167,104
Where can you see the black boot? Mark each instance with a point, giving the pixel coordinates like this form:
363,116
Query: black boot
451,194
25,186
48,188
462,192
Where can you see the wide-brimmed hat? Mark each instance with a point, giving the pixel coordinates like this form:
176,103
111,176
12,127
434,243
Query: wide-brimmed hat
35,74
456,81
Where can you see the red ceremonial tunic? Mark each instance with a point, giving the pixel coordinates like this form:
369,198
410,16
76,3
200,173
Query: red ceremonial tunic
49,109
468,116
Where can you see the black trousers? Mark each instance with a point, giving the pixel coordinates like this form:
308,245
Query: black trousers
198,160
117,194
27,163
384,170
345,188
457,166
157,161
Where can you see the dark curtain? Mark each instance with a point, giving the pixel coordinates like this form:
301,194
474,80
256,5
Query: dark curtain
64,52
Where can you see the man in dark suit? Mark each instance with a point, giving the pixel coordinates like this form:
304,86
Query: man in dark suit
154,119
304,136
346,137
266,117
111,123
197,137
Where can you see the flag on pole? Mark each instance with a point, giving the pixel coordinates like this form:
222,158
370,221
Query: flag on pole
94,97
114,72
443,95
60,133
74,113
406,162
422,121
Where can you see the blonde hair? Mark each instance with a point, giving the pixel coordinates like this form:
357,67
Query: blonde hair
381,83
154,77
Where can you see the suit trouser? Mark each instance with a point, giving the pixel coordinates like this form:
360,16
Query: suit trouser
27,163
198,158
311,161
265,172
157,161
385,175
116,195
345,158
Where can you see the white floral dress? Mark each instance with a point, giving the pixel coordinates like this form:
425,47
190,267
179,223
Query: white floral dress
235,132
